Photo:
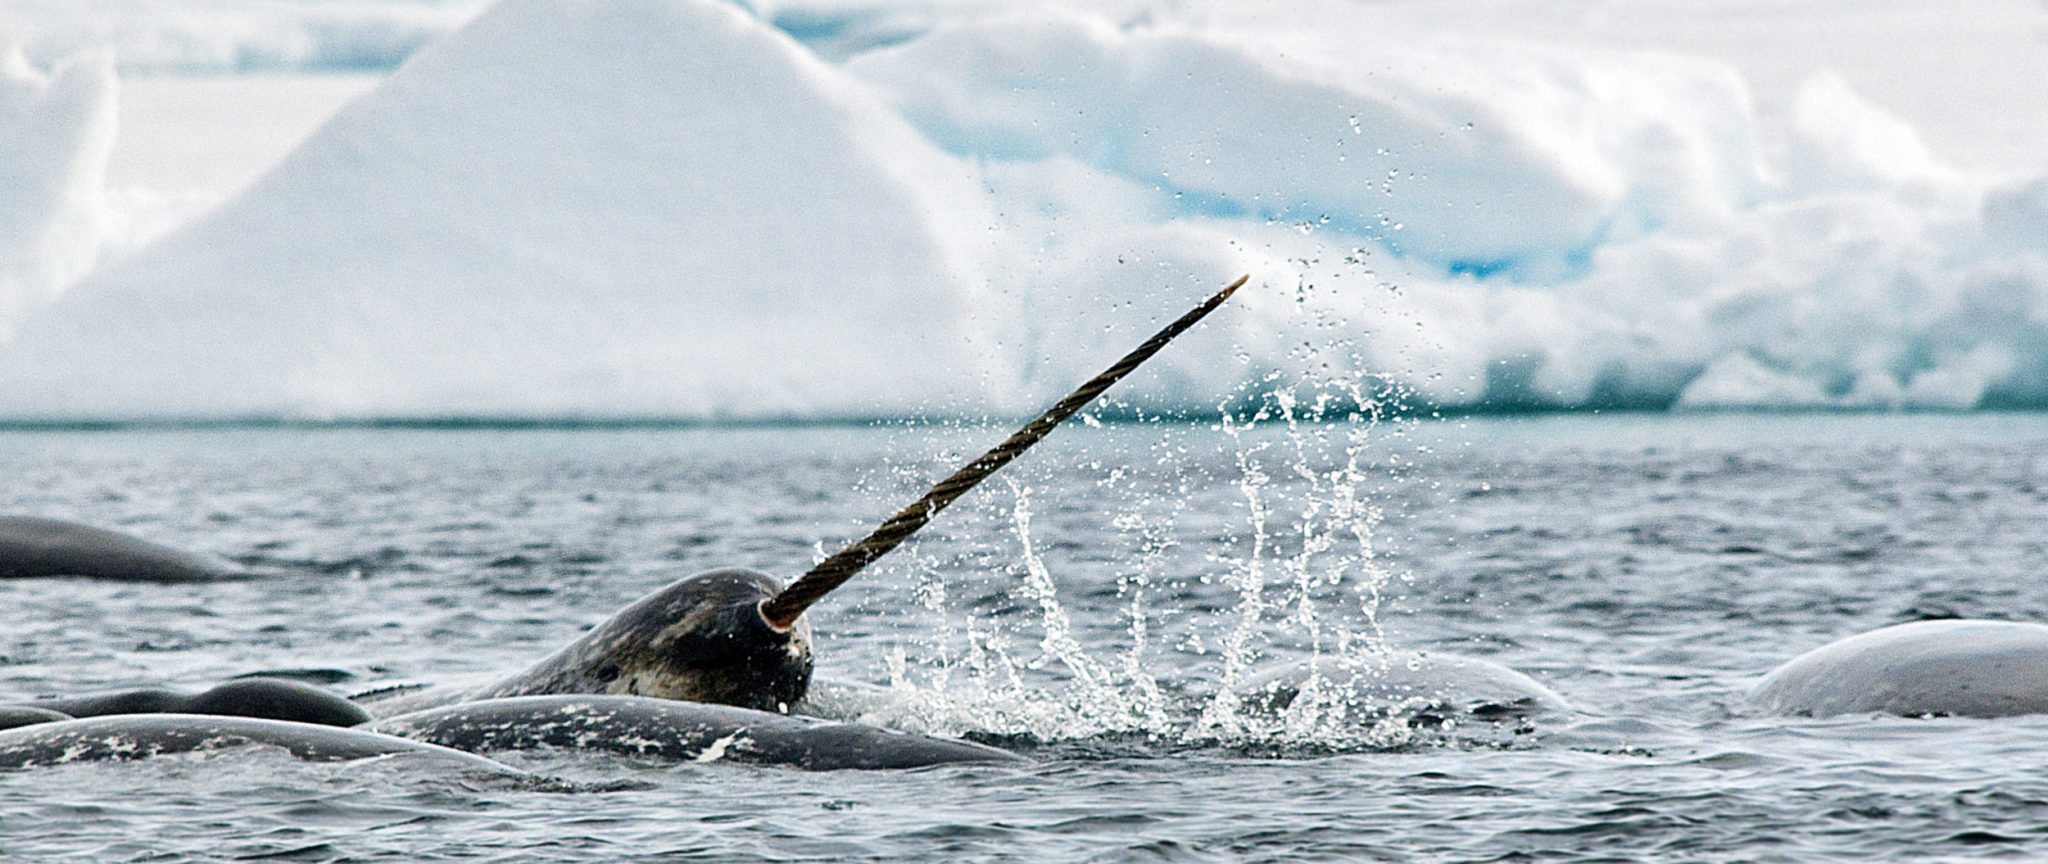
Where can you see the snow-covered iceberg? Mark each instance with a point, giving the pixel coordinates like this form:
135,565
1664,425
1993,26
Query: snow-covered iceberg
664,209
1560,227
56,130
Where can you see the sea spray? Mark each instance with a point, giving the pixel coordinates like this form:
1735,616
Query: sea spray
1281,500
1058,643
1155,537
1247,577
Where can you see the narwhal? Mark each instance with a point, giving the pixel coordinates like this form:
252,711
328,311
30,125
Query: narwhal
636,684
738,637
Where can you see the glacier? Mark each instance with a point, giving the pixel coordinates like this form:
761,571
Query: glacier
879,208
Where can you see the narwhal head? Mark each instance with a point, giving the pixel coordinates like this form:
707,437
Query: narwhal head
737,636
701,639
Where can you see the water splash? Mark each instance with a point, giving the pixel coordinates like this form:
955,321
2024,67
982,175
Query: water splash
1267,523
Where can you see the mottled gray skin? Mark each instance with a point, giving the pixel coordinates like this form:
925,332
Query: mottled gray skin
677,731
140,736
268,698
1956,668
700,639
16,716
32,546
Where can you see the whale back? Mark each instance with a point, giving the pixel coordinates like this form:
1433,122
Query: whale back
129,737
667,730
34,546
16,716
1960,668
267,698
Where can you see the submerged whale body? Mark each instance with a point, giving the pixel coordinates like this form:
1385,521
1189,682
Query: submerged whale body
34,546
16,716
1418,686
678,731
690,672
699,639
266,698
1960,668
131,737
640,727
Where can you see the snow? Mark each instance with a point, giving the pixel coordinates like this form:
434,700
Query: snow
56,131
858,208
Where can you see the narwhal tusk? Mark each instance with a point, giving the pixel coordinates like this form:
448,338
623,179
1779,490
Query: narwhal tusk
781,611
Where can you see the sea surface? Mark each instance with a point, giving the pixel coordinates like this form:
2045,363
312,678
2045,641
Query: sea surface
1095,609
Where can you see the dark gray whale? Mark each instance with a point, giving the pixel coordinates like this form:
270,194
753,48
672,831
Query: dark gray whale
267,698
140,736
33,546
677,731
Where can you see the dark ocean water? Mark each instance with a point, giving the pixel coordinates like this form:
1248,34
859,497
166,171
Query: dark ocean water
1086,612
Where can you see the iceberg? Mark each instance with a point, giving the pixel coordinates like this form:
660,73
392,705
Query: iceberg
56,132
668,209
